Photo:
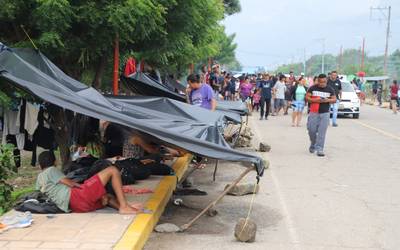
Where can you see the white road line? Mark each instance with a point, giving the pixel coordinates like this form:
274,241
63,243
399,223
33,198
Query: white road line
294,236
378,130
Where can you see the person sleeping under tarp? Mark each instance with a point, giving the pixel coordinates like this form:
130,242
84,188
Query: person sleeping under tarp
123,150
138,158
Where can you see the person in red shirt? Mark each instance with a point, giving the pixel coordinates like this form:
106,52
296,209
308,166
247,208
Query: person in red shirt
394,89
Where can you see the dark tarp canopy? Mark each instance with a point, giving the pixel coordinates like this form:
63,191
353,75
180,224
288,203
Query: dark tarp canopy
179,110
233,106
174,84
33,72
142,84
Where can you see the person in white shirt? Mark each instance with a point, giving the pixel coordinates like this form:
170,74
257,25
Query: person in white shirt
279,92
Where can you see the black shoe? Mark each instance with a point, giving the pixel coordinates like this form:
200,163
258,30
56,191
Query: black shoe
334,125
320,154
266,118
261,118
312,150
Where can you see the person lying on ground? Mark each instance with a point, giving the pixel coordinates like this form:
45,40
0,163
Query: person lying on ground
137,146
86,197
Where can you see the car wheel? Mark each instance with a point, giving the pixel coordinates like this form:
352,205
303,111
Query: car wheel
356,116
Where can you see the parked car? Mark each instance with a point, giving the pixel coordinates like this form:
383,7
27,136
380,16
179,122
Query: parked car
349,103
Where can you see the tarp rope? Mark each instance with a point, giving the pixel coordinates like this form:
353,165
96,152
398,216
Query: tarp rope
26,33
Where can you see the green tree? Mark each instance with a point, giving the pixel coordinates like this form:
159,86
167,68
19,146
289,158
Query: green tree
79,35
6,168
232,6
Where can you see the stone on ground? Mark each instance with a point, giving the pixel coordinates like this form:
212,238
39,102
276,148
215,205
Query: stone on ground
264,147
245,231
167,228
243,189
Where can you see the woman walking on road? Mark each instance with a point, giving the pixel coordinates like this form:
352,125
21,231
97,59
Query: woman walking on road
394,88
298,94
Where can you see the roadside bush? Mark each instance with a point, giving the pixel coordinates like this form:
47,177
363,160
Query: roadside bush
6,169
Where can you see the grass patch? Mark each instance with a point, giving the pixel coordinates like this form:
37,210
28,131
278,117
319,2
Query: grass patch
15,195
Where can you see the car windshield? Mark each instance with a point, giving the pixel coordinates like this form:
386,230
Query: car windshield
347,87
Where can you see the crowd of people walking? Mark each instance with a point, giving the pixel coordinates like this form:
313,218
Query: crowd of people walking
277,94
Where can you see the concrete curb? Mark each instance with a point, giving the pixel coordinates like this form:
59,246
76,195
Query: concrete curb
139,231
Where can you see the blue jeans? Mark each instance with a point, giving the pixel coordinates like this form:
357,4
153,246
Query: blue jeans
335,108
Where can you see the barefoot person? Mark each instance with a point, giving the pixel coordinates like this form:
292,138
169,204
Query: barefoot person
87,197
320,96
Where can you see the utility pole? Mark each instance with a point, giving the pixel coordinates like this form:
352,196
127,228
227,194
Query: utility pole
388,19
323,57
359,58
362,54
340,59
387,39
304,62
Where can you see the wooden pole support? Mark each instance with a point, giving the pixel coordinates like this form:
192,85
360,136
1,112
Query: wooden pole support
215,170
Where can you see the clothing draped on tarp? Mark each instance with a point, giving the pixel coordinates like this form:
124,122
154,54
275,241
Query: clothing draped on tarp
142,84
130,66
32,71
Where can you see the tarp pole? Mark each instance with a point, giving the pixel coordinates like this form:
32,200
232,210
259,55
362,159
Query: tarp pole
116,65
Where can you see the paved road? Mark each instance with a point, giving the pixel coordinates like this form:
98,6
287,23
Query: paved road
348,200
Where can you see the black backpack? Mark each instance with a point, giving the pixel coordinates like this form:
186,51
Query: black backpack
37,203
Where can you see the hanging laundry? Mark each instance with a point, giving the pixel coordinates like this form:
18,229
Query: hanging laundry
31,117
11,131
130,66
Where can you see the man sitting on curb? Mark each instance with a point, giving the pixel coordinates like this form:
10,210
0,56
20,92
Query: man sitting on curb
81,198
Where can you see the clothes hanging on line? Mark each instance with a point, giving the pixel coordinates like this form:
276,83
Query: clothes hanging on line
31,117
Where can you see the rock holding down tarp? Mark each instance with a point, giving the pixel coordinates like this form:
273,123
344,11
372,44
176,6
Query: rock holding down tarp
167,228
243,189
264,147
245,231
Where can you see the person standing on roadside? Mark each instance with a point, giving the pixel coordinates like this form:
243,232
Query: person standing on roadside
298,95
279,91
375,90
379,92
320,96
394,88
335,83
245,89
265,85
226,88
200,94
288,91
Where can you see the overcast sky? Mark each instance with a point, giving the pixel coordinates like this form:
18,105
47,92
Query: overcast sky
270,32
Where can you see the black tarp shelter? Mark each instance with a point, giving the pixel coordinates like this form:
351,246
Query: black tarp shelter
174,84
233,106
179,110
142,84
32,71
